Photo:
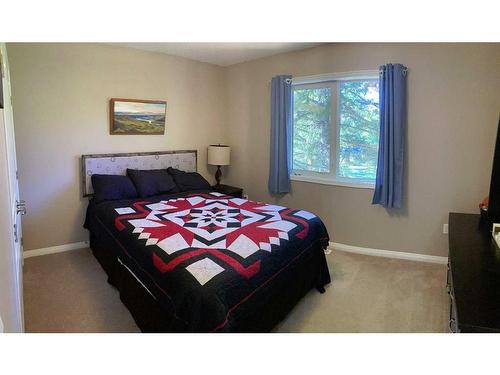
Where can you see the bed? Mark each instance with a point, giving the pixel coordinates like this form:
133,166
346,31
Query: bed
201,261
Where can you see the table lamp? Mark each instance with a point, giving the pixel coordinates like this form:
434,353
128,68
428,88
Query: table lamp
219,155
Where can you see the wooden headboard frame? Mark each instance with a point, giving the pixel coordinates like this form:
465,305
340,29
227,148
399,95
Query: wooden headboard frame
185,160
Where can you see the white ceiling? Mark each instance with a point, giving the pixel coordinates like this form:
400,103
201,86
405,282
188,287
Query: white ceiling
223,54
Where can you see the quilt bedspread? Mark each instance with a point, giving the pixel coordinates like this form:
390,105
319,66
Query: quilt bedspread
205,255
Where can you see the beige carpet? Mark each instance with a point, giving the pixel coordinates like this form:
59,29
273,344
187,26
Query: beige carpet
68,292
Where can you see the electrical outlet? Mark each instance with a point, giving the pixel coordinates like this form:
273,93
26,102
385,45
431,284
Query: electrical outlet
445,228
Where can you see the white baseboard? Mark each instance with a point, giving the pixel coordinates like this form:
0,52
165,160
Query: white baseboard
388,253
335,246
55,249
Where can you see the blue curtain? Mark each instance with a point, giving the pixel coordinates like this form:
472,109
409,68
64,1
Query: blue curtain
389,183
281,124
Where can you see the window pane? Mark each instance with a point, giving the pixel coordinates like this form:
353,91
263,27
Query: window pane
311,129
358,129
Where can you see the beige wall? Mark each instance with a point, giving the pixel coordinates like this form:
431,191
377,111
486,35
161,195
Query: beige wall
61,95
453,109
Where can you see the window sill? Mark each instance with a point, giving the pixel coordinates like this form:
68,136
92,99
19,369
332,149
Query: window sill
324,181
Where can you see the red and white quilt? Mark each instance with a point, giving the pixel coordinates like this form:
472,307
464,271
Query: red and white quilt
211,260
228,229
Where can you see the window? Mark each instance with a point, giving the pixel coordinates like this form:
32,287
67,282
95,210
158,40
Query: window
335,129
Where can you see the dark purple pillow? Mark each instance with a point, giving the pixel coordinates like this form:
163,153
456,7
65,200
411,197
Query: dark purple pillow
187,181
152,182
112,187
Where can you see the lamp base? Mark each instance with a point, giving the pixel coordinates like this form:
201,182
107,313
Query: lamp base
218,175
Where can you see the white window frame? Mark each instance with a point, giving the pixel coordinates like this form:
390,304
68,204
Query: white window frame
319,81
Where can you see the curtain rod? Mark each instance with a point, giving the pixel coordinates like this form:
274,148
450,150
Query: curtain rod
404,70
341,76
359,74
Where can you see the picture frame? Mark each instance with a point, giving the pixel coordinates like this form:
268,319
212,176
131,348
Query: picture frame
137,116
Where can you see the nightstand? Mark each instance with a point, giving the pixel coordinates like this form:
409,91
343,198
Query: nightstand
229,190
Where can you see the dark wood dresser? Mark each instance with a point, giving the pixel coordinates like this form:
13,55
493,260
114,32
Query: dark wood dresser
473,275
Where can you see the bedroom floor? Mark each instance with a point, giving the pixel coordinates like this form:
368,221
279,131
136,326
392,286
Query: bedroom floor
68,292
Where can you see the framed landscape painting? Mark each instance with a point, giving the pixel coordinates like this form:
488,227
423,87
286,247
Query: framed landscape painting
132,116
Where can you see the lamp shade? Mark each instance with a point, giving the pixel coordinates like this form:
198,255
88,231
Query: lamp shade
219,155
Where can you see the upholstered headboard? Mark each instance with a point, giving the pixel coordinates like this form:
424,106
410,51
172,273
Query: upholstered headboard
185,160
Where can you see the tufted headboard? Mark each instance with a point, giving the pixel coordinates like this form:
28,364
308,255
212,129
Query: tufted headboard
185,160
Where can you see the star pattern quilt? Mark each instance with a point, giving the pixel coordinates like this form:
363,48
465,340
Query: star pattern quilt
206,255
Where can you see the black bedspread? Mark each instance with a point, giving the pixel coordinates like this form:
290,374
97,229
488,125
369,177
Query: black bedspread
214,262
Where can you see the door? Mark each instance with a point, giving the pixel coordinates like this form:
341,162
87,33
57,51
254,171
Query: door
12,247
